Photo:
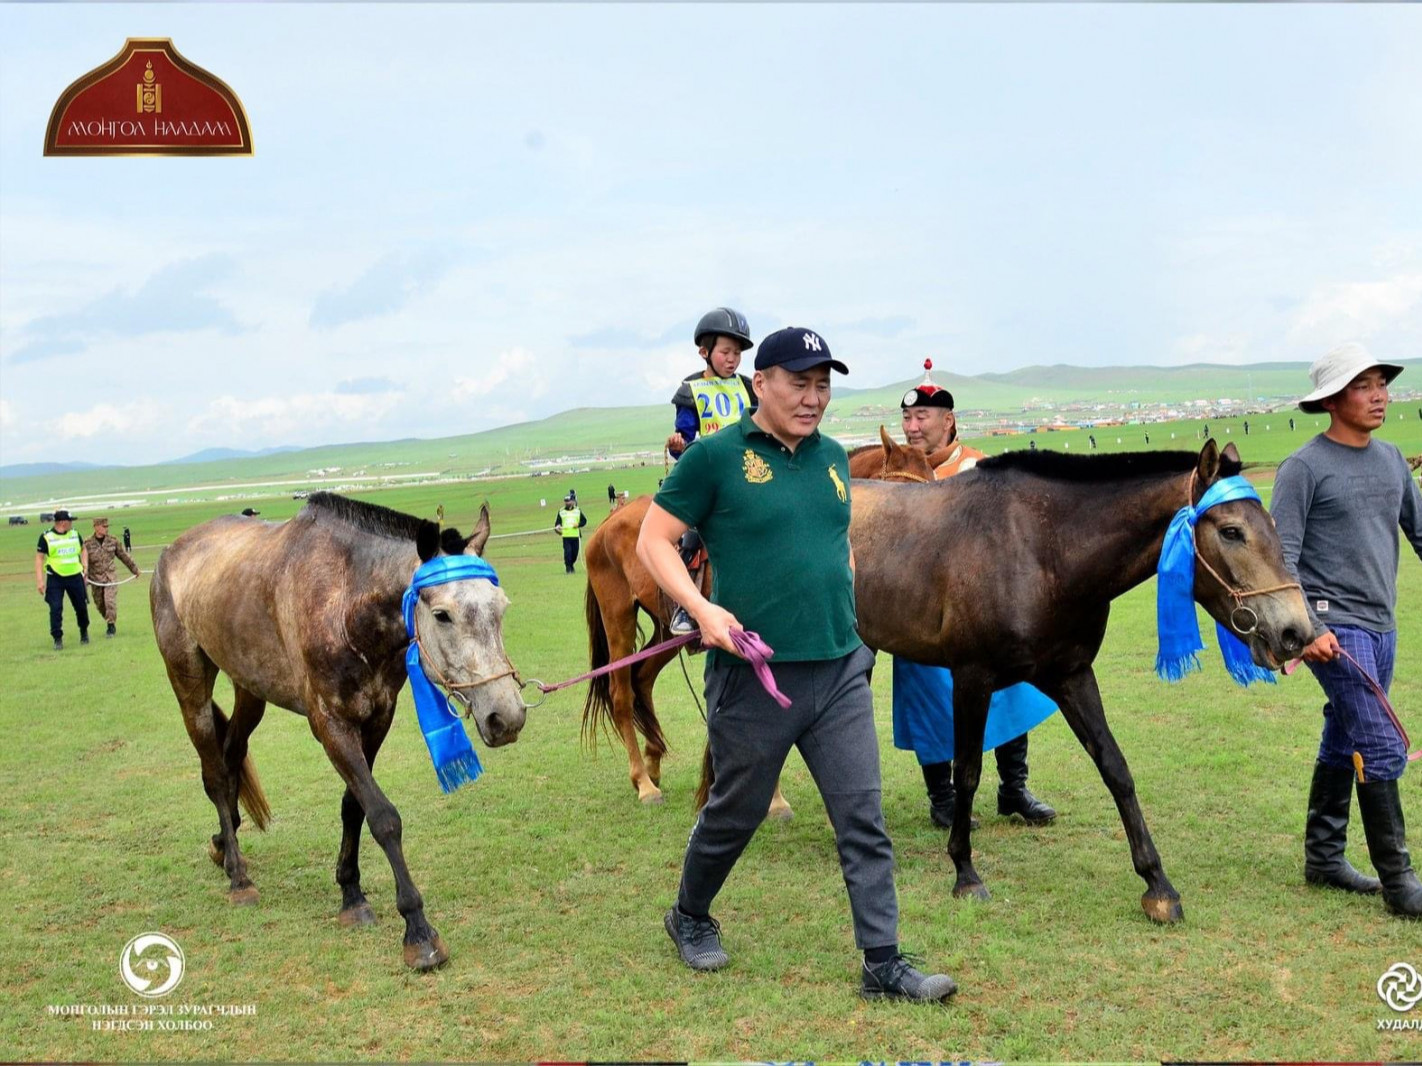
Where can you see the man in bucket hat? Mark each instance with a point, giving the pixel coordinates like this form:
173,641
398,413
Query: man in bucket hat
60,563
1338,502
772,480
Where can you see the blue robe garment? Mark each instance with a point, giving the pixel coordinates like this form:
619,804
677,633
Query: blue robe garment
923,711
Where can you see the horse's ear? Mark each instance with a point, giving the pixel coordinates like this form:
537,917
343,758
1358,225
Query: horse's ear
480,534
1230,463
889,445
427,540
1208,469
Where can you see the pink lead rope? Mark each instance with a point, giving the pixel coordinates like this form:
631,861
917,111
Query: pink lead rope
1377,689
753,649
748,645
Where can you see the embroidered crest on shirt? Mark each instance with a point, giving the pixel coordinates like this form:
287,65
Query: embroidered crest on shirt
758,471
838,485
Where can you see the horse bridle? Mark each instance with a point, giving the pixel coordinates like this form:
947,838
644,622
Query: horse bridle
1239,595
886,475
455,688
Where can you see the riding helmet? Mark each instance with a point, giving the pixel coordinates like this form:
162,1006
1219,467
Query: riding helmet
727,322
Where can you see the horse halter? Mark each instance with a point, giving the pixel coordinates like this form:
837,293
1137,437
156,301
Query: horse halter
1239,595
455,689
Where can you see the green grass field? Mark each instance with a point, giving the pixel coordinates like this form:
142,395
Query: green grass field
547,881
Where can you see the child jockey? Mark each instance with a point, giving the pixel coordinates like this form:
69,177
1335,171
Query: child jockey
707,400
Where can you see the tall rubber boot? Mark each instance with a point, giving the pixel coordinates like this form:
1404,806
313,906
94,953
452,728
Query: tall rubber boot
1380,806
1326,833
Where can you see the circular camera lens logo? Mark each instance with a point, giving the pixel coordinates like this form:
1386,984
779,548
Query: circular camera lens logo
1400,987
151,965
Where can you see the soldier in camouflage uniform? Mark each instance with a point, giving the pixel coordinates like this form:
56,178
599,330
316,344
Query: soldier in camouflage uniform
102,550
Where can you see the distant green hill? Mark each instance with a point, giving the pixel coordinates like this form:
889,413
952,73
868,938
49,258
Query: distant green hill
611,436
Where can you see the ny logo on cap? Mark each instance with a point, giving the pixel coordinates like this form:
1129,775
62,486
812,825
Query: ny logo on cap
812,342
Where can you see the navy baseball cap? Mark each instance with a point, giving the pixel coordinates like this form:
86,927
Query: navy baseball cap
796,348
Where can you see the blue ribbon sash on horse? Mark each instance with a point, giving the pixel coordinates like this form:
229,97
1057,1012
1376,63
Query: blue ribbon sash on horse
923,711
1177,626
455,761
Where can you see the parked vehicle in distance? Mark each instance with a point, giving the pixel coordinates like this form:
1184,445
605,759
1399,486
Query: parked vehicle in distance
19,520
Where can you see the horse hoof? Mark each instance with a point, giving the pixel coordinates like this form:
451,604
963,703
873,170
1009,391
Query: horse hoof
976,890
357,915
243,897
216,854
1163,910
427,955
653,798
780,814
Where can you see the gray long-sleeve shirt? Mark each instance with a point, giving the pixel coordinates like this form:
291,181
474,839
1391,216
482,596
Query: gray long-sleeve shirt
1338,510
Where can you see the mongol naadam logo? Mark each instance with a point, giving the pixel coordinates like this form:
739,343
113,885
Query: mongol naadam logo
152,965
1400,987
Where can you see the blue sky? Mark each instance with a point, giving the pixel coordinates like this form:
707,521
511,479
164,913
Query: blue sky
463,216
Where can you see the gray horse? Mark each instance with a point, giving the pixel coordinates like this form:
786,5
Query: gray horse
306,615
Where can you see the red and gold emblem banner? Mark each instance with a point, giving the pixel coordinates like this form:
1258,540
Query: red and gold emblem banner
148,100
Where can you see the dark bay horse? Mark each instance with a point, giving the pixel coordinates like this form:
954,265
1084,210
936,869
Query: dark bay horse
1014,567
306,615
619,586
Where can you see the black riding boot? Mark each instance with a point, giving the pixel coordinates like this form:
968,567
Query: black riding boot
1380,806
690,545
1012,795
942,801
1326,833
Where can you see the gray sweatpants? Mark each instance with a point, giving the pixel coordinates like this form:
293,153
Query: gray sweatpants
831,722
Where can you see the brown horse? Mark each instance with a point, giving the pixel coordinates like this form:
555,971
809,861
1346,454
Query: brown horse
1041,545
306,615
618,585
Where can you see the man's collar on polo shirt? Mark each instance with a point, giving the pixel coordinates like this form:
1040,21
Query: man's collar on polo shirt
749,428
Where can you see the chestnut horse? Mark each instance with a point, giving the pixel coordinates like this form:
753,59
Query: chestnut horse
618,585
306,614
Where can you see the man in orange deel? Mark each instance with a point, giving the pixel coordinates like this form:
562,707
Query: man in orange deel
923,696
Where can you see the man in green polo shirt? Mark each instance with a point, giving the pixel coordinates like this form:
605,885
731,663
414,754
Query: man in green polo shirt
60,564
770,496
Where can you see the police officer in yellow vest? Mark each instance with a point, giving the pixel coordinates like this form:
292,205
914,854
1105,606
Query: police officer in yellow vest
569,523
708,399
60,564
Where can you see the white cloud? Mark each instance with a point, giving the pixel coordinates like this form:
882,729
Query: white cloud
515,365
7,417
292,417
1357,309
135,417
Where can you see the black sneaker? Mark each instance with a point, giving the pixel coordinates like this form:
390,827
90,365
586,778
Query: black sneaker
83,637
59,644
897,979
681,622
698,941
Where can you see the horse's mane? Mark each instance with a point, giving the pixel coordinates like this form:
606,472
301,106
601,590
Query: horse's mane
1064,467
385,522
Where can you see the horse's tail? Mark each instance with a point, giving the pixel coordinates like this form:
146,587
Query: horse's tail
249,792
598,705
249,786
708,778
